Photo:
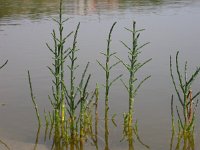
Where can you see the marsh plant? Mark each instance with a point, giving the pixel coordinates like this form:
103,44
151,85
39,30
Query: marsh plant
133,84
70,119
68,98
74,118
107,67
187,101
74,115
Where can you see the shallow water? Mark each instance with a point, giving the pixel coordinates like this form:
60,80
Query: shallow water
25,27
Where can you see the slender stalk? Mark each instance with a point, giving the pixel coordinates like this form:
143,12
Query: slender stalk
108,83
83,106
131,94
132,87
33,100
62,60
107,88
96,115
58,89
71,96
172,114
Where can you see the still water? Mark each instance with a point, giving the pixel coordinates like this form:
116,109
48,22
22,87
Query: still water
25,27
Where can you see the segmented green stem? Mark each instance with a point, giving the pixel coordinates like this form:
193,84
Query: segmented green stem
33,100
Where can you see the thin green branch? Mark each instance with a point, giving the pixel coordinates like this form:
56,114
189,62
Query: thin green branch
33,100
173,80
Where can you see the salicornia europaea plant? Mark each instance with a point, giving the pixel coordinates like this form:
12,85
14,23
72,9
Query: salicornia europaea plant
132,84
59,55
70,96
72,93
186,117
107,68
65,120
71,120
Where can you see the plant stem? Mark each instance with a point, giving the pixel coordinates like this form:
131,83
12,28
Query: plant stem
107,88
33,100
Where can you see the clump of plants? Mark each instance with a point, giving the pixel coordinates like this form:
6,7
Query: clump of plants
74,115
187,101
71,104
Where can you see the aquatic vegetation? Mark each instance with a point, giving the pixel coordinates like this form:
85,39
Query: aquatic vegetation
71,121
71,126
71,117
108,83
74,115
59,56
33,100
186,118
132,85
66,100
188,103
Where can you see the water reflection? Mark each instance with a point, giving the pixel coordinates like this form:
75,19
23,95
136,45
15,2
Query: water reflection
37,9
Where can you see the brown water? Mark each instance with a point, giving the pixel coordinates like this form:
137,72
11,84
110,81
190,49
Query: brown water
25,27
